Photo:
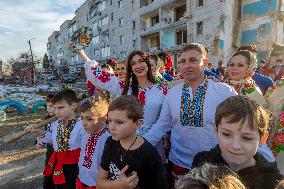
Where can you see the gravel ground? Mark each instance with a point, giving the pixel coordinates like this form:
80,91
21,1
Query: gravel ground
21,164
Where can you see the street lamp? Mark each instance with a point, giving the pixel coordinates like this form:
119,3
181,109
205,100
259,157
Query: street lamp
33,70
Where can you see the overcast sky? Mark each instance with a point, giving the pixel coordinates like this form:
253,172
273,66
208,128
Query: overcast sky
21,20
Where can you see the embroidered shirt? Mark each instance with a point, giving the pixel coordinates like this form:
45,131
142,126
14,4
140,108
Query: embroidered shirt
186,141
92,146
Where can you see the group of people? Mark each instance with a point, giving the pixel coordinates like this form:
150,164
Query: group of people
159,131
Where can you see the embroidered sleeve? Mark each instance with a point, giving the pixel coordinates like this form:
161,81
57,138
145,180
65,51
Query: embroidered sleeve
101,79
163,88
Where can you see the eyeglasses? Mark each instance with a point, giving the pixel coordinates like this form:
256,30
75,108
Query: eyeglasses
191,60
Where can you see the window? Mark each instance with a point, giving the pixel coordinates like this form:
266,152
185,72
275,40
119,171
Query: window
110,2
134,43
122,39
199,3
96,39
106,51
121,21
133,25
155,42
111,17
181,36
179,12
119,3
199,28
154,20
97,52
105,21
102,6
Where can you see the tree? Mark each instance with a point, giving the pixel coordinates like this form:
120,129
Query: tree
22,66
45,63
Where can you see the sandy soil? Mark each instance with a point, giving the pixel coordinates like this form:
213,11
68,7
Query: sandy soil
21,164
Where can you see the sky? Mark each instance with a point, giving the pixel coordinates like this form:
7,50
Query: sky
21,20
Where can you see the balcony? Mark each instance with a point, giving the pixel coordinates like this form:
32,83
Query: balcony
154,5
149,30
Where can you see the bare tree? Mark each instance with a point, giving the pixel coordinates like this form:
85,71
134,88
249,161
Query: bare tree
23,65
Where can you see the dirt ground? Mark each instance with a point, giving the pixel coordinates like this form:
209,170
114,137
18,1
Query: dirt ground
21,164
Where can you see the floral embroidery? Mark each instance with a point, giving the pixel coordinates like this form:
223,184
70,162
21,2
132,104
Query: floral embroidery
90,148
191,111
104,77
63,137
122,84
96,71
141,97
278,138
163,87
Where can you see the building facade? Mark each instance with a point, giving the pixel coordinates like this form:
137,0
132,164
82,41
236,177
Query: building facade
121,26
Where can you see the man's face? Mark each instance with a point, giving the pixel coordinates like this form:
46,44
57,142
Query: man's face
120,126
191,64
64,110
238,143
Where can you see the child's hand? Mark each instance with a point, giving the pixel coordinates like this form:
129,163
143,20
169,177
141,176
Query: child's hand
128,182
40,146
33,131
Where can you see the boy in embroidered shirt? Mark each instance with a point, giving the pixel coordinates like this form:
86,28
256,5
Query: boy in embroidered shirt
240,125
93,113
65,135
129,161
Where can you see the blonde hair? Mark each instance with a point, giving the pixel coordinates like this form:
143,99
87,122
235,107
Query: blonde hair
97,103
210,176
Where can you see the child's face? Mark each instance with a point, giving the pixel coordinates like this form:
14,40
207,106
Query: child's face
92,122
50,108
64,110
238,143
120,126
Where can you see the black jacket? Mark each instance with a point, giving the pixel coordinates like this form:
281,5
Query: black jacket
264,175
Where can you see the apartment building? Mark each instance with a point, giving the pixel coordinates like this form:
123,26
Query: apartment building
120,26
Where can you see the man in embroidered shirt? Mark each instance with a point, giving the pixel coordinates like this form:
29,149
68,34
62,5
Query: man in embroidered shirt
189,111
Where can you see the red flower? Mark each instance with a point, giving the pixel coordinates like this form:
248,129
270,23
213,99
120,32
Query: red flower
246,85
104,77
278,138
281,118
141,97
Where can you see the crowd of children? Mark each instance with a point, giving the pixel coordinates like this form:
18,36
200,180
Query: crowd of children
213,135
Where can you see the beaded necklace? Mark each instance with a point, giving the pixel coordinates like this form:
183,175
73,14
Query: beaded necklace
191,111
63,137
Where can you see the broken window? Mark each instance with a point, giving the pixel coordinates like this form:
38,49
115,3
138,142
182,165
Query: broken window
199,28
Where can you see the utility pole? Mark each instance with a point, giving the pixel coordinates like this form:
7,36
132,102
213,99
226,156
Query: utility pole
33,68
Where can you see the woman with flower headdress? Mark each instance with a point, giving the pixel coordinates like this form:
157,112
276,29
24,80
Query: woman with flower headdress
166,64
239,71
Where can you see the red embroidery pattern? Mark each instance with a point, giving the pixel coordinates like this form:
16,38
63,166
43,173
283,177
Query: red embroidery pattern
104,77
122,84
141,97
90,148
162,87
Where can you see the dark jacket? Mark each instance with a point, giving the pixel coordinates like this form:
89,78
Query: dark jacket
264,175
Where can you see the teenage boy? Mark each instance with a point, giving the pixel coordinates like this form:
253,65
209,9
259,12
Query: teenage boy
65,135
93,114
129,161
240,125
